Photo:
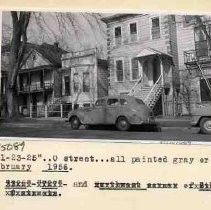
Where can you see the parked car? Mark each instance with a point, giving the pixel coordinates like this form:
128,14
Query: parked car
122,111
201,117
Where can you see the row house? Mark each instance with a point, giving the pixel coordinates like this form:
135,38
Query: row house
84,78
38,79
194,53
143,60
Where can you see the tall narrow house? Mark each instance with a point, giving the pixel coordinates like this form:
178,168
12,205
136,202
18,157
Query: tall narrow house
143,60
84,78
194,47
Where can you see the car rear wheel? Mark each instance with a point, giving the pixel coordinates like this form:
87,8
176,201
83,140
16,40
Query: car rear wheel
205,125
75,123
122,124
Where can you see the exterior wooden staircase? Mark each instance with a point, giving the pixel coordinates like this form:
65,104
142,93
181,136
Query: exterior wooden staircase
149,95
154,94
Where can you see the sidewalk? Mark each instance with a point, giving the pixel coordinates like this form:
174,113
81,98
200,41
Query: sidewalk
33,122
167,123
173,122
176,124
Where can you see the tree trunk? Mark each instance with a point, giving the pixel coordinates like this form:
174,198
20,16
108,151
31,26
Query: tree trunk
12,103
17,49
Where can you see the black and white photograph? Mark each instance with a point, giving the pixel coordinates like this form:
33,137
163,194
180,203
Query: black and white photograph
98,75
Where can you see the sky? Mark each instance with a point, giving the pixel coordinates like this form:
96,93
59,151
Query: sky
73,31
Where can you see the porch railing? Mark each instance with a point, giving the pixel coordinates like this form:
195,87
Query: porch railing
158,83
50,110
36,87
197,55
133,89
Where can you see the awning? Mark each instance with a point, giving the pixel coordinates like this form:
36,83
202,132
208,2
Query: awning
150,52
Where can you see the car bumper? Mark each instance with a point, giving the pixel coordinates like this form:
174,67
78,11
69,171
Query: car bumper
195,120
138,121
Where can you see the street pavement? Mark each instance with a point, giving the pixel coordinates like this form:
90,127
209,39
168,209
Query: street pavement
171,130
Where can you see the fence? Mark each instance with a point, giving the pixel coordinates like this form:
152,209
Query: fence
61,110
50,110
172,110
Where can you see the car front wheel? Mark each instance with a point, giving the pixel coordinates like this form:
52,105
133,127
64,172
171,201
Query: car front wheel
205,125
75,123
122,124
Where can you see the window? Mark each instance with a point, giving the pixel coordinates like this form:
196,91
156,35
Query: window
86,105
119,70
76,106
100,102
199,34
66,85
86,82
133,32
75,83
3,85
155,28
118,35
201,44
173,19
133,28
112,102
205,93
139,101
188,20
134,69
123,101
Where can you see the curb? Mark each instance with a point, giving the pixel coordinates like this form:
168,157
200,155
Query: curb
185,129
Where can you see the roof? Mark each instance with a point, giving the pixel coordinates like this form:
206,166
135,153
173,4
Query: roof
52,53
116,17
150,51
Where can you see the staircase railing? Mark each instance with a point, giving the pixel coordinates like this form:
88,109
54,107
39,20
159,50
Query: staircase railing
153,88
204,77
132,90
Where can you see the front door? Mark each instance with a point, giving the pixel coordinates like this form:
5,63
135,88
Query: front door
34,105
146,73
156,69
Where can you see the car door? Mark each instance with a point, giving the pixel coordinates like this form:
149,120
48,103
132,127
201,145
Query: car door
112,110
96,115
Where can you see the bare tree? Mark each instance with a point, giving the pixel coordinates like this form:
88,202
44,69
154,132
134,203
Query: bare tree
20,21
68,23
